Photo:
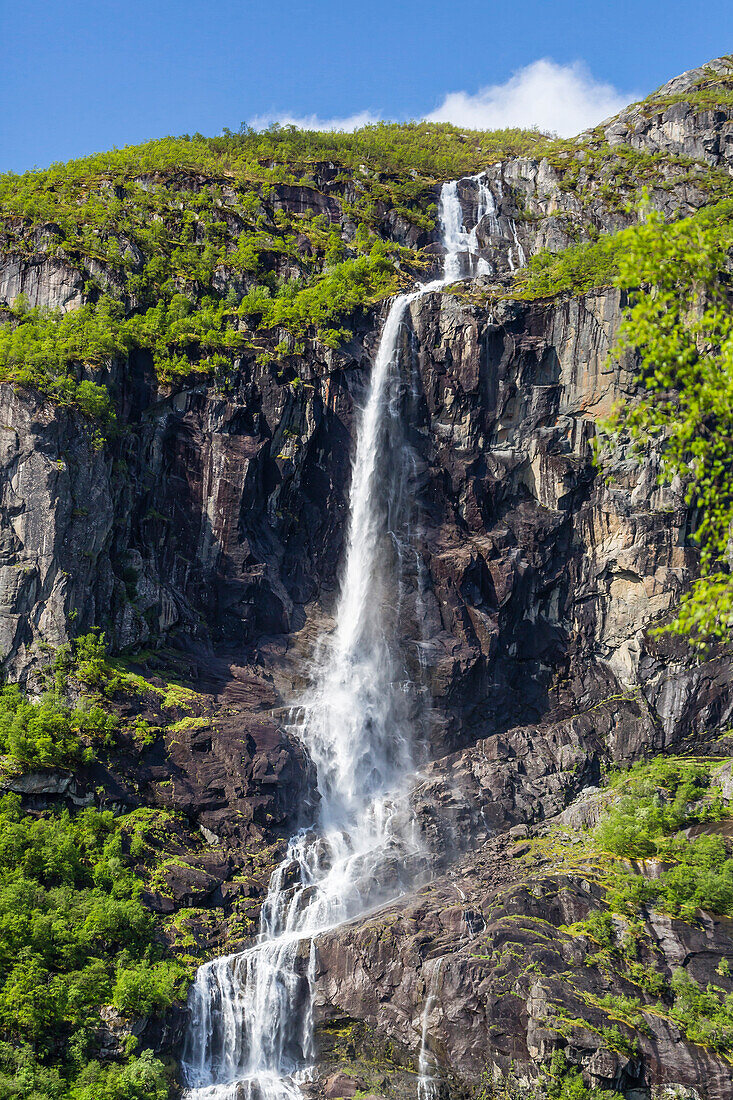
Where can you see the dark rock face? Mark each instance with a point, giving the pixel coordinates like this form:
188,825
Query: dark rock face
221,526
491,942
543,575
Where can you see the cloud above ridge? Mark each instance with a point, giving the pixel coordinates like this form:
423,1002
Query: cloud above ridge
562,98
313,122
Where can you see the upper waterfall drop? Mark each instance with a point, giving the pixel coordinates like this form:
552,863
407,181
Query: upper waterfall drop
462,252
250,1035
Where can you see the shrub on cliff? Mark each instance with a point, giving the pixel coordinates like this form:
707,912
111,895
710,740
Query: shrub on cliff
704,1015
679,328
659,800
48,732
574,270
73,937
39,348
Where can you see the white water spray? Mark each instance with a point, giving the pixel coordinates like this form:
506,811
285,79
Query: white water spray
462,258
250,1035
428,1084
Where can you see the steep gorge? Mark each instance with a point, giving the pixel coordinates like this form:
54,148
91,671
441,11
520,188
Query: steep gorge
207,538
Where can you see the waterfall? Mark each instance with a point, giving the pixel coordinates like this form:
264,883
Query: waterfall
428,1087
462,258
250,1035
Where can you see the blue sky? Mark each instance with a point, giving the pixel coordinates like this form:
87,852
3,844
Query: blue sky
83,76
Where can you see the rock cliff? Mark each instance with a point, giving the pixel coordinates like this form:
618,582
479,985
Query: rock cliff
206,533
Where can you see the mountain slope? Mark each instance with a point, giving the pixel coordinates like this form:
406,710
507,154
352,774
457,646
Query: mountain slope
187,331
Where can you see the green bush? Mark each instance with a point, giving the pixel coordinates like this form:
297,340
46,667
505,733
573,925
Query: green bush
140,990
48,732
563,1081
46,349
705,1016
73,936
142,1078
22,1077
574,270
660,800
89,662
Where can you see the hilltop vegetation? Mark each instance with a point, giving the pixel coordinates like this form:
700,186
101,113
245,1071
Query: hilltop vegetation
195,251
189,253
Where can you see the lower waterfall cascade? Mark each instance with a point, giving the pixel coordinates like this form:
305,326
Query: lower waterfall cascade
251,1027
427,1080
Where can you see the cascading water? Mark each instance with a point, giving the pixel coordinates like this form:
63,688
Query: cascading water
428,1085
250,1035
462,258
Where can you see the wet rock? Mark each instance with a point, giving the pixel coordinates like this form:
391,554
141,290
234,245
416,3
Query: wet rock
505,978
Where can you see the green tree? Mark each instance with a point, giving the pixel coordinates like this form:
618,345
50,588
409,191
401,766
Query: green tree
680,328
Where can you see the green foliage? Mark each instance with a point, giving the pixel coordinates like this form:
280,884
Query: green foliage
563,1081
73,936
24,1078
680,327
47,350
48,732
705,1015
281,154
142,989
153,229
659,800
142,1078
574,270
599,926
329,303
616,176
629,1010
90,659
655,802
159,231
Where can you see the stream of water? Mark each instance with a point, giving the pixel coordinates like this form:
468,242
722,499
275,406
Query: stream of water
250,1035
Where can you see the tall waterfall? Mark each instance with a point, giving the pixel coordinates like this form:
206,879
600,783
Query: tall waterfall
250,1035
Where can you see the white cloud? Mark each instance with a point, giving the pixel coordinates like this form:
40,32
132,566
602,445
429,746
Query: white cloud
313,122
564,99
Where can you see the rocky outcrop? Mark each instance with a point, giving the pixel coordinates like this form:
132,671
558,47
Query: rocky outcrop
682,136
49,283
56,515
544,576
511,981
673,120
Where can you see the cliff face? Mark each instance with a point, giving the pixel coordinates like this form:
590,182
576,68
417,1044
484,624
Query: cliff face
213,522
219,516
